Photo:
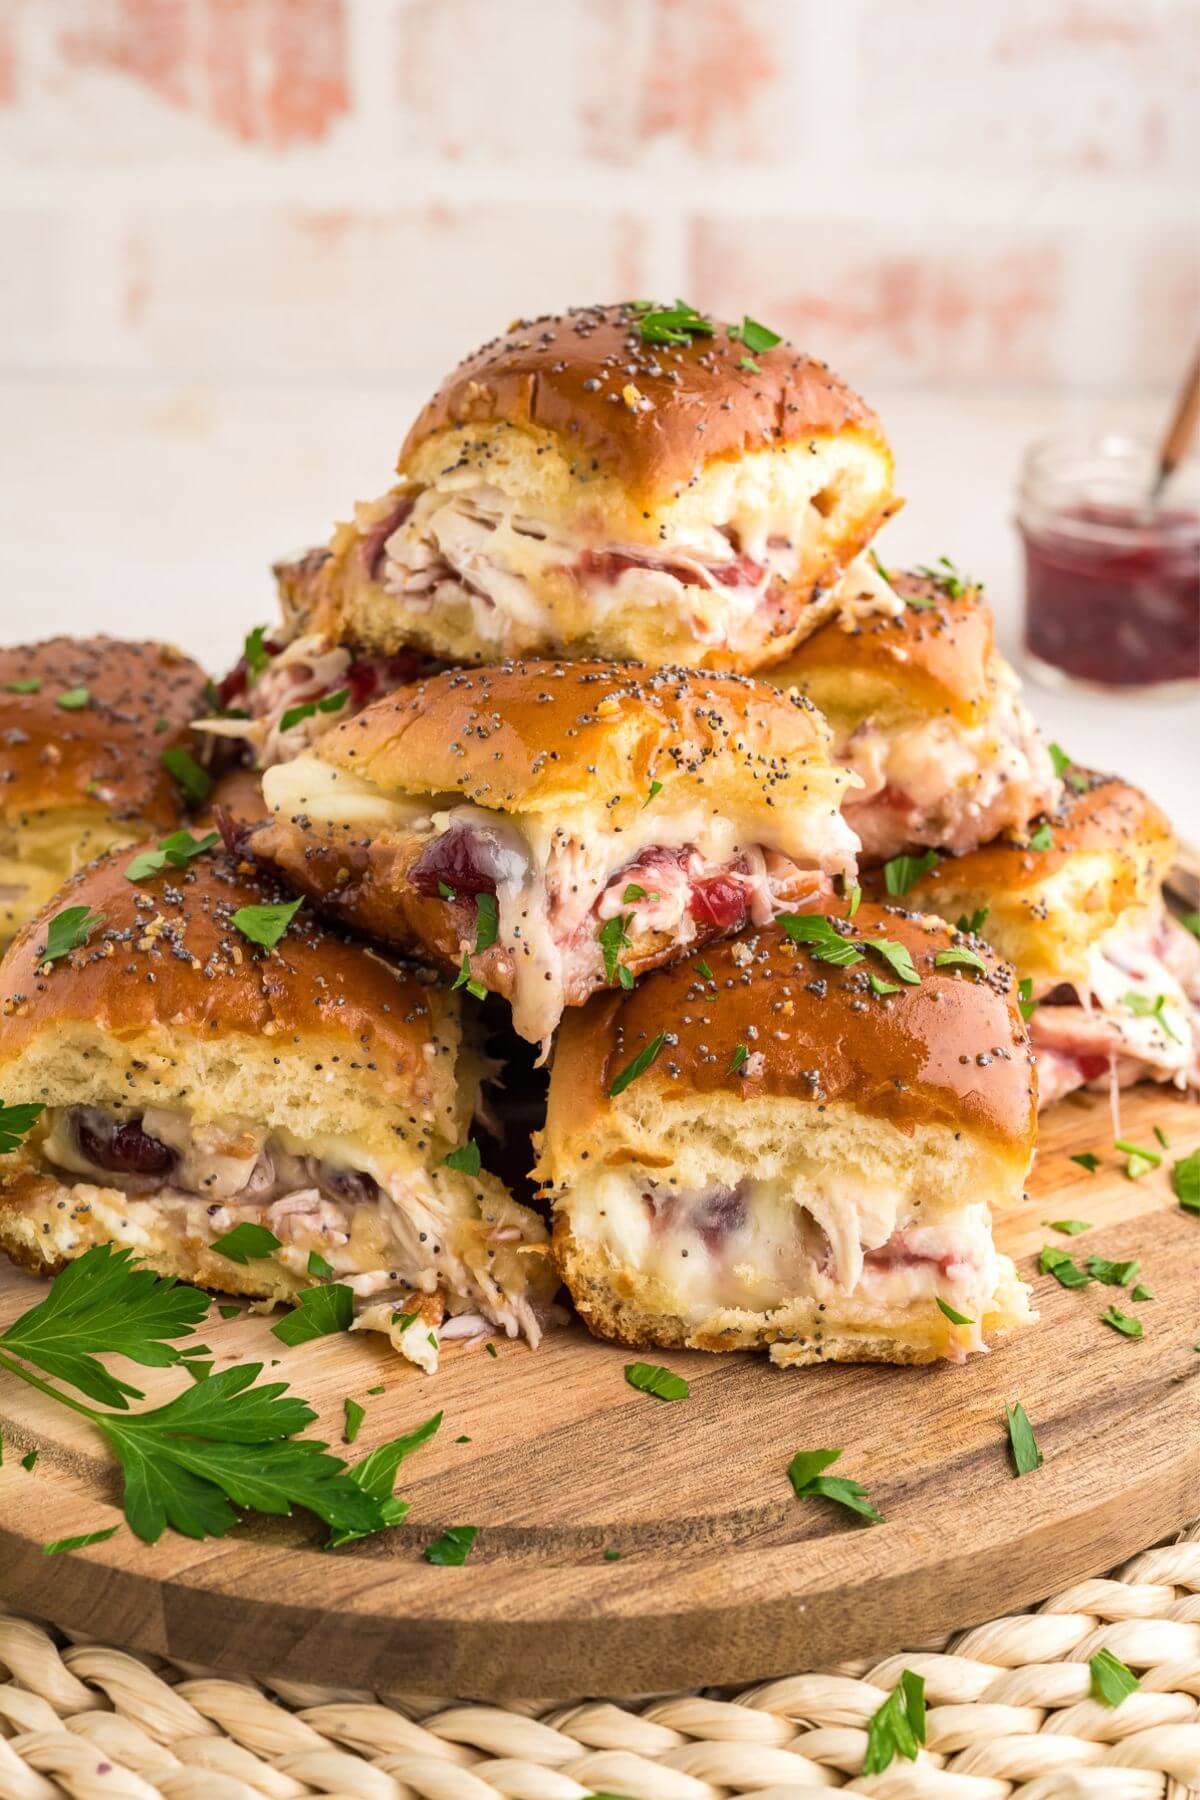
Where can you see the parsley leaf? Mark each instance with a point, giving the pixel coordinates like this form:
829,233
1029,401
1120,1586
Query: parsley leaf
255,653
1185,1180
855,899
1023,1445
1087,1161
466,1159
1131,1328
897,958
738,1060
748,363
654,791
354,1413
652,1378
245,1241
821,938
307,709
614,938
1112,1682
955,1318
702,968
947,577
179,849
32,686
904,872
195,782
676,324
1142,1007
318,1266
320,1312
69,930
976,921
1026,1004
464,978
1112,1274
1191,922
879,987
1070,1227
1064,1268
73,699
101,1303
265,925
1141,1292
805,1472
897,1728
964,959
376,1476
754,336
16,1122
453,1547
1043,838
1140,1161
638,1066
79,1543
487,921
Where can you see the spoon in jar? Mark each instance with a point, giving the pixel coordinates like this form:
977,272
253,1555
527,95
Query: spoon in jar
1180,431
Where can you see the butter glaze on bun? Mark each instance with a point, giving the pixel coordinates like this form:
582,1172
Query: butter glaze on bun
193,1080
84,724
804,1159
574,488
927,713
546,825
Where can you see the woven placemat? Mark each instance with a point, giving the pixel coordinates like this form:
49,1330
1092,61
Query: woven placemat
1009,1719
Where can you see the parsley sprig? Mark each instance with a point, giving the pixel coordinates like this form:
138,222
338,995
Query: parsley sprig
16,1122
897,1728
806,1472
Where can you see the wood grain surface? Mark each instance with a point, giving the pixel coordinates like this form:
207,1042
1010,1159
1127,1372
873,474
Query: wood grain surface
723,1574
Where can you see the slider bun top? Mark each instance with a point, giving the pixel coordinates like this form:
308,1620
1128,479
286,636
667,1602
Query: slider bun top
649,417
931,659
1111,848
952,1052
553,737
168,1004
105,756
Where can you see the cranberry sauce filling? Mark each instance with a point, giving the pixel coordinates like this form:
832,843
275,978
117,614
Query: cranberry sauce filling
461,859
370,549
236,685
119,1145
369,676
609,565
719,902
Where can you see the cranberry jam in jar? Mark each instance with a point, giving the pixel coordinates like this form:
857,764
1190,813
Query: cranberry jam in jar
1112,578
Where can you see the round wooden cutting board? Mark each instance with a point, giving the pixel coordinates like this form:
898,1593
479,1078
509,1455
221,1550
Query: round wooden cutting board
722,1574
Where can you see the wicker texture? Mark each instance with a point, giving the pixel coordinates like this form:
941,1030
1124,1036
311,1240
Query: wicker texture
1009,1719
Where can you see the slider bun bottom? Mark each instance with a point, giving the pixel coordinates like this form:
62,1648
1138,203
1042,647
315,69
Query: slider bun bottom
617,1304
39,851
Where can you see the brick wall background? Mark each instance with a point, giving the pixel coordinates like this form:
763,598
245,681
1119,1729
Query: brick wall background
931,191
242,239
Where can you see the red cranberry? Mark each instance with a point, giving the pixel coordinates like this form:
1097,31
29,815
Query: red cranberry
369,676
718,902
120,1146
371,547
460,859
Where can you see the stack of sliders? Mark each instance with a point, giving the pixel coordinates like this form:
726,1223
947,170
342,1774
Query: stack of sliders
602,719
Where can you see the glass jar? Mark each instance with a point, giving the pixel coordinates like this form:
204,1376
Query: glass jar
1112,581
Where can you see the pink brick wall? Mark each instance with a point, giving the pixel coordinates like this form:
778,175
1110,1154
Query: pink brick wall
924,191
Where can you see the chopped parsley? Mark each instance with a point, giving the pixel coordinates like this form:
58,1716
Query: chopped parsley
897,958
960,959
1112,1682
69,930
1026,1004
376,1476
1142,1007
1043,838
308,708
464,978
195,782
229,1311
652,1378
955,1317
1022,1444
179,850
1128,1327
677,324
465,1159
884,574
73,699
1162,1137
487,922
855,898
1112,1274
265,925
244,1242
1191,922
355,1413
16,1122
654,791
821,938
976,921
29,1459
1064,768
1069,1227
633,892
738,1059
1064,1268
1087,1161
445,891
453,1547
638,1066
904,872
897,1728
950,579
1185,1180
491,1349
256,655
614,938
319,1312
1141,1292
754,336
748,363
82,1542
807,1476
702,968
1140,1161
879,987
318,1266
32,686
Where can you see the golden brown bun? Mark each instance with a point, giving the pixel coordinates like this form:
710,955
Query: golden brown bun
952,1051
238,795
104,757
570,375
549,736
928,660
196,1009
1111,849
